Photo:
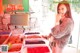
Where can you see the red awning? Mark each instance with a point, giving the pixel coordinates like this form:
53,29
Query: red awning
1,7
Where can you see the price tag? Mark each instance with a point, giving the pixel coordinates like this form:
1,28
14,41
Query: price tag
4,48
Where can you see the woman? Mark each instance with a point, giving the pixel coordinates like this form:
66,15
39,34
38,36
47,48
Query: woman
62,30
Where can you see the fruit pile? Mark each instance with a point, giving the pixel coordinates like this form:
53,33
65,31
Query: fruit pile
15,48
14,39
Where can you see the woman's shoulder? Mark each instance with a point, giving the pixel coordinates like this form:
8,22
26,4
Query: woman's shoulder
68,20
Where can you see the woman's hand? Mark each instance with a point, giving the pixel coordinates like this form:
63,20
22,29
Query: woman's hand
45,37
58,17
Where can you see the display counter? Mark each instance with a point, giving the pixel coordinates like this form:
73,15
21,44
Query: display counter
27,44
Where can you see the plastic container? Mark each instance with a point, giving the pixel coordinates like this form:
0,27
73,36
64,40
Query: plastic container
3,38
36,45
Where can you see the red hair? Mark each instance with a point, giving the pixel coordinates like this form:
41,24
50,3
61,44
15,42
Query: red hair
68,13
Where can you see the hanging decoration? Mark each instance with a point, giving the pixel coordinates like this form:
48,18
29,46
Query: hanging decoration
75,4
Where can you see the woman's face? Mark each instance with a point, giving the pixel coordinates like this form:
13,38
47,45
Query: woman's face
62,9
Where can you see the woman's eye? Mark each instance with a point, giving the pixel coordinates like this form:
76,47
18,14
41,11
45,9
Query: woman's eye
62,8
58,9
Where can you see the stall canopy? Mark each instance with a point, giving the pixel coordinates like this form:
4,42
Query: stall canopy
1,7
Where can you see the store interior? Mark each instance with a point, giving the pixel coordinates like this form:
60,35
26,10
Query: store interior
22,21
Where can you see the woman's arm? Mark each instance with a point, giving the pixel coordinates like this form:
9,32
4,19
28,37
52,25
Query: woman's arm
64,28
